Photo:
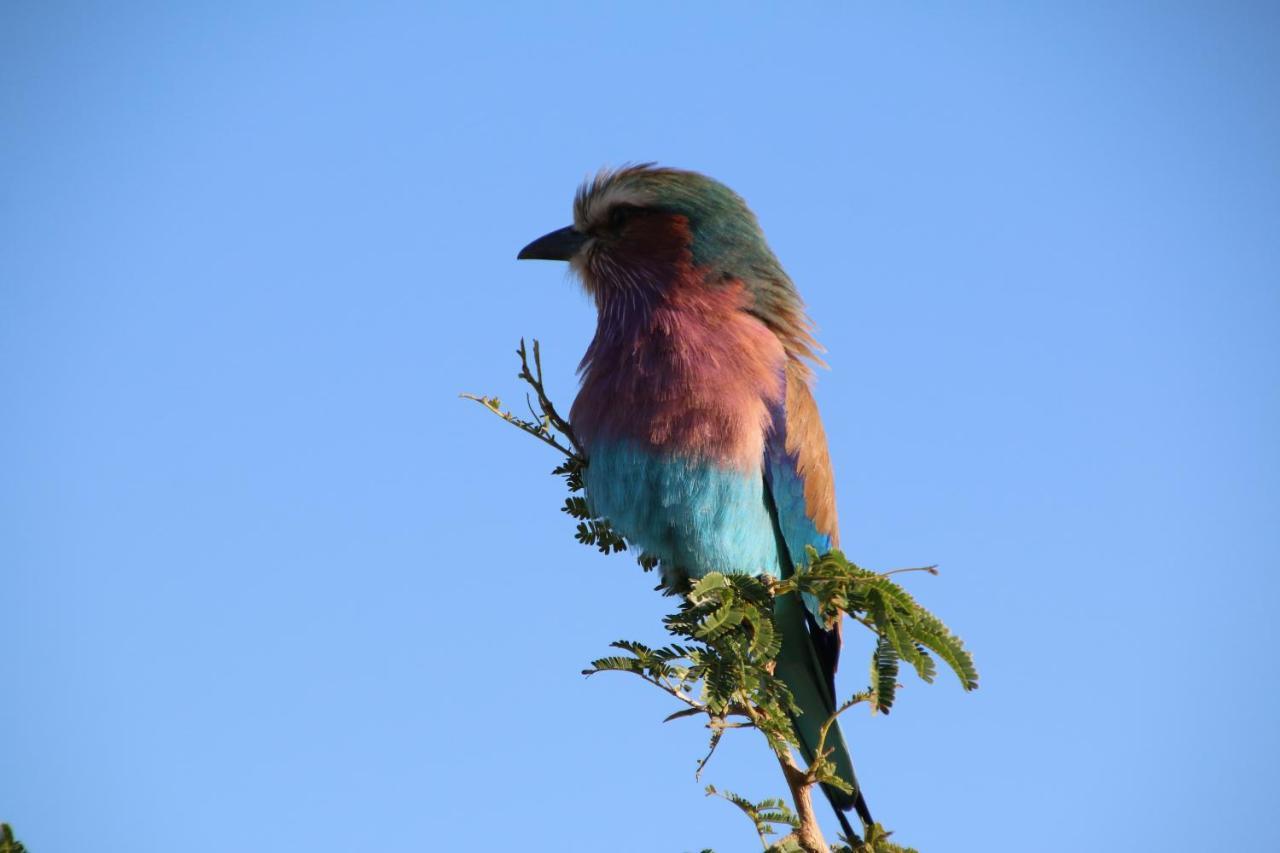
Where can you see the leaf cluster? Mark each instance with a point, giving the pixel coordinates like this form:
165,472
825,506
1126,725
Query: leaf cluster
9,844
905,631
765,815
877,841
722,666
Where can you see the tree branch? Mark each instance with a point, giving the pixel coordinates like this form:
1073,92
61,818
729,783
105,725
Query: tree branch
545,402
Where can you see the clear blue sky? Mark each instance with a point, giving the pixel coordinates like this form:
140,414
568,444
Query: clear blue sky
249,258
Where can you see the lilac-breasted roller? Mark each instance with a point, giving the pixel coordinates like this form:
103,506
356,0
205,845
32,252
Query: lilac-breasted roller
704,445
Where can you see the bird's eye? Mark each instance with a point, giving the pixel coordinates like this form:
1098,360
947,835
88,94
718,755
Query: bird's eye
619,215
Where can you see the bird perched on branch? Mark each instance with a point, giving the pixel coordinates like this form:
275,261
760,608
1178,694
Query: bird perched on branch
703,440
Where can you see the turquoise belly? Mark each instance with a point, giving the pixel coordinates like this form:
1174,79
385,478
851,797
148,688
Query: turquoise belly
694,516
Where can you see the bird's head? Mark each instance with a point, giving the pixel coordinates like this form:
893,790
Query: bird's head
639,230
643,218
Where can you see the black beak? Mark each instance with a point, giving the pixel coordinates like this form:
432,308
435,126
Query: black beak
557,246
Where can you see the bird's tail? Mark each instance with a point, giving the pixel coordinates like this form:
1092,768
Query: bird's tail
798,667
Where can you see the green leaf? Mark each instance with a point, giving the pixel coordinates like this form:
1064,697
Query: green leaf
576,506
709,584
949,647
884,675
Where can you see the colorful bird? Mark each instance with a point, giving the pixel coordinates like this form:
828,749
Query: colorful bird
704,443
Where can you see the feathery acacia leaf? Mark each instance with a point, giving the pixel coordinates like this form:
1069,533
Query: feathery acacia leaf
884,675
763,814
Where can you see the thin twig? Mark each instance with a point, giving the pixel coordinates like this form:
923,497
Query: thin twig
533,429
820,754
933,570
537,419
716,734
545,402
545,426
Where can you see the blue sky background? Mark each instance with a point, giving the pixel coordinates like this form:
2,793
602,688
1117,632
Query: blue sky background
248,259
